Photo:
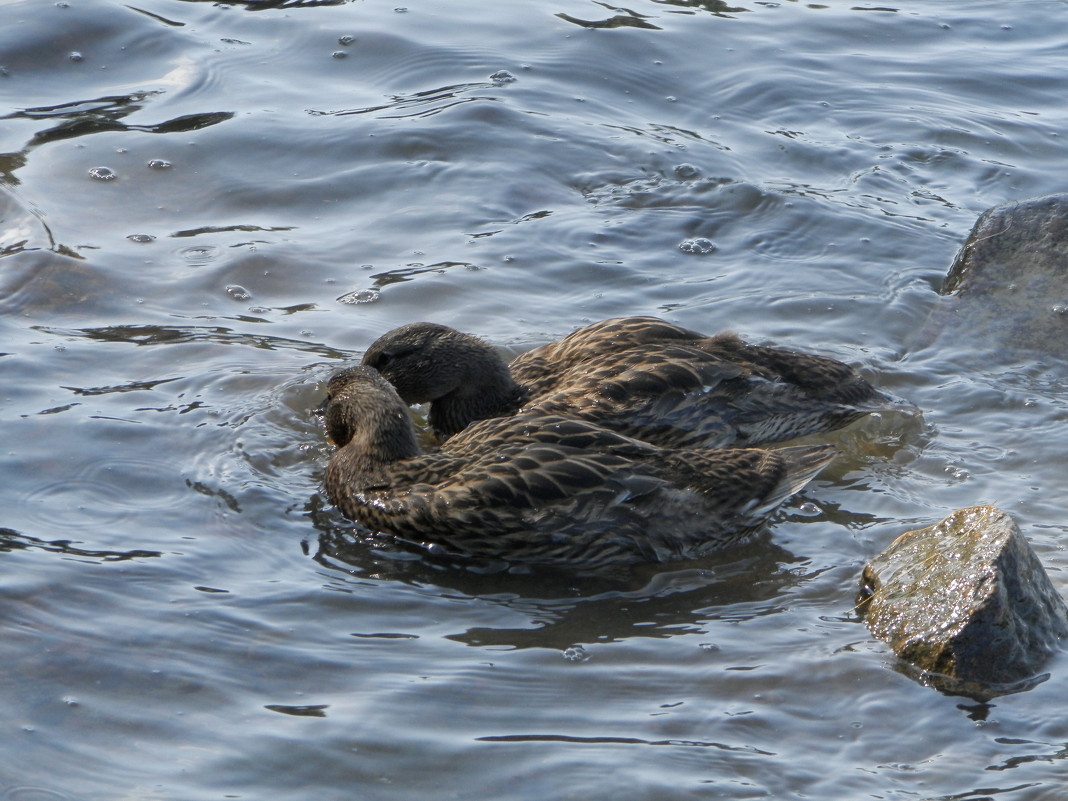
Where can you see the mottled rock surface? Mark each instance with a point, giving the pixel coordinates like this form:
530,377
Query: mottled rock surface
1009,284
966,602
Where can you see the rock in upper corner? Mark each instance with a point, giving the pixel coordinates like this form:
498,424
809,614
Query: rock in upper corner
966,602
1009,283
1025,238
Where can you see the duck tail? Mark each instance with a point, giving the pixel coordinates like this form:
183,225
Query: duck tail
803,463
887,403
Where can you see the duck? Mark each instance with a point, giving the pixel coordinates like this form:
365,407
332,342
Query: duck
640,376
540,488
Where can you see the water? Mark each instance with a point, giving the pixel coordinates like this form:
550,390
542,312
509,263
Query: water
183,614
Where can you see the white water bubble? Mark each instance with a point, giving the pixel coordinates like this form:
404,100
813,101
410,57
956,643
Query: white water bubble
359,296
502,77
576,653
700,245
237,292
102,174
957,472
141,239
159,164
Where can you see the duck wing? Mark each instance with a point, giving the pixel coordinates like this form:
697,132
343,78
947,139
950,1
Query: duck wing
670,395
535,425
544,369
671,386
820,378
747,483
528,501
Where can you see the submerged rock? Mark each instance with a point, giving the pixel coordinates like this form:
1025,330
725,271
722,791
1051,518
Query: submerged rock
966,603
1008,287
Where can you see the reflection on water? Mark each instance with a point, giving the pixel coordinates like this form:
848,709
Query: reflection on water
629,19
177,335
424,104
182,613
83,118
411,271
11,540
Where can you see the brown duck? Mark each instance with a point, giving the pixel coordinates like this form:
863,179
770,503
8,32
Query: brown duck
540,488
640,376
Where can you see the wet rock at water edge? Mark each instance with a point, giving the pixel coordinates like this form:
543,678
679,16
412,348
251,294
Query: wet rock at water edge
966,604
1008,286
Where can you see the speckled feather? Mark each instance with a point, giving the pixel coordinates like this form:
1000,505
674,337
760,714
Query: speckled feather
641,376
542,488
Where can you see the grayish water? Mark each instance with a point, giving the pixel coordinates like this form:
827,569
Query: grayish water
208,207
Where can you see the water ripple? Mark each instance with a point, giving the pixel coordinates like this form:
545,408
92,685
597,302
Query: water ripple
150,335
423,104
30,793
104,114
113,491
13,540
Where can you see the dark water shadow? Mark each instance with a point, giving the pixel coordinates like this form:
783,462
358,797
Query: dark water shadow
624,18
96,115
103,115
1058,752
410,271
717,8
980,692
12,540
422,104
149,335
567,607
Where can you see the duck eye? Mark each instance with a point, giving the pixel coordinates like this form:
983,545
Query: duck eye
382,359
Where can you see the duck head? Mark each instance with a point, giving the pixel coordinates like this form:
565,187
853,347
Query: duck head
462,377
365,414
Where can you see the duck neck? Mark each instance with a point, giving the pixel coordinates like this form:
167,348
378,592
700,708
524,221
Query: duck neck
386,438
490,392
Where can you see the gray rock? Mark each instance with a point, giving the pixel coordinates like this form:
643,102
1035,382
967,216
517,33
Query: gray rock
966,603
1008,287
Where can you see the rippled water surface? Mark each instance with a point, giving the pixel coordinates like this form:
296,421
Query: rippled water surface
208,207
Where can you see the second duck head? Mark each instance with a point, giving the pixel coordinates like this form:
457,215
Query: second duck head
462,376
363,410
